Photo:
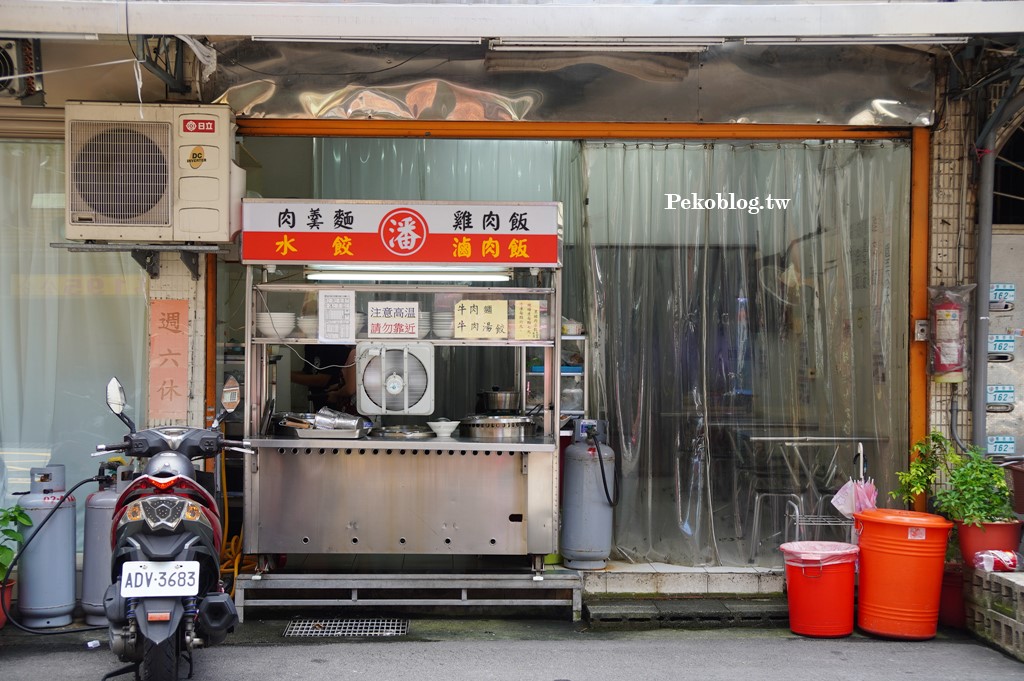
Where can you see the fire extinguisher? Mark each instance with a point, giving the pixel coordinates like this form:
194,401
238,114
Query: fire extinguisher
949,319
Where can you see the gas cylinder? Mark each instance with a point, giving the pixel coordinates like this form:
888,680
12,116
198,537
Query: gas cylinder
99,514
46,568
589,497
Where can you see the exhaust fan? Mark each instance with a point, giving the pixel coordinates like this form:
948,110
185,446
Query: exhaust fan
394,378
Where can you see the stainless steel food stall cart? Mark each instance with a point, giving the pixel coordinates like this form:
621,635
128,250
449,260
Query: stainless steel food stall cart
491,488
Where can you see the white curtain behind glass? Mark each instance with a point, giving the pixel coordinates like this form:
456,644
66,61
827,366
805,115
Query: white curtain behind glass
68,322
726,333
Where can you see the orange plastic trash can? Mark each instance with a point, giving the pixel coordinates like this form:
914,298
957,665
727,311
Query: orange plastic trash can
819,586
902,554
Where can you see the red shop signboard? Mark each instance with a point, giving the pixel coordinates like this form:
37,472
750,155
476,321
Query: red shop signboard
310,231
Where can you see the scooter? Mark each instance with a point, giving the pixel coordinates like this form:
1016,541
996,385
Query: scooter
166,598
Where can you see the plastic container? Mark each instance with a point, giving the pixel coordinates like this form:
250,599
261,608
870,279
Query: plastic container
902,555
819,584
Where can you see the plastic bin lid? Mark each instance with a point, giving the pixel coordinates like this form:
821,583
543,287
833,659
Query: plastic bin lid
900,517
819,552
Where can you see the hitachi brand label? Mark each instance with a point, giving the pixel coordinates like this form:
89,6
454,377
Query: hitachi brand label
198,125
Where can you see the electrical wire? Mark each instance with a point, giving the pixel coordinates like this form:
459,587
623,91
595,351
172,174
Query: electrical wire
10,568
47,72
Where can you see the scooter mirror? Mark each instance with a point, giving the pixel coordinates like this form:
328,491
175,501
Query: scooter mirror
230,396
115,396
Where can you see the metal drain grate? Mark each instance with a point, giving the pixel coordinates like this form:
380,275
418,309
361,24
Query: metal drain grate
375,626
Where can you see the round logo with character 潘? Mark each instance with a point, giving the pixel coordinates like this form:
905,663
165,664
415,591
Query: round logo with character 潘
403,231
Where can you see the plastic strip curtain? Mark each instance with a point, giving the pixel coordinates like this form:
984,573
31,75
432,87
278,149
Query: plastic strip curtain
744,348
459,170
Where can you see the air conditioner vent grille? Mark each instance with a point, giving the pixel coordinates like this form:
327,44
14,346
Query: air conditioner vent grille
120,172
8,69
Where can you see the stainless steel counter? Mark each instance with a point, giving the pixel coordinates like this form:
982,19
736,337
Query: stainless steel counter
533,444
415,496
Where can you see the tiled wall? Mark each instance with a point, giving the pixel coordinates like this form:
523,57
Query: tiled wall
175,283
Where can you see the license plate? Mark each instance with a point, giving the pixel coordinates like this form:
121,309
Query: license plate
142,578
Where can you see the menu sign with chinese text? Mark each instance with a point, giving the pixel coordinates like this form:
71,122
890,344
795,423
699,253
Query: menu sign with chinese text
392,319
168,360
527,320
481,319
324,231
336,319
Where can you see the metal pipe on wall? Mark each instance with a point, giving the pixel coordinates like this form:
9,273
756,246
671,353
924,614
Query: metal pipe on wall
983,269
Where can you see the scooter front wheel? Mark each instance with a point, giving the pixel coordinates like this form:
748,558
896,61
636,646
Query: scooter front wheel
160,660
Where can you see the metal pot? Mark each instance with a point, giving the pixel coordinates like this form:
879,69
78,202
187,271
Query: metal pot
498,400
497,427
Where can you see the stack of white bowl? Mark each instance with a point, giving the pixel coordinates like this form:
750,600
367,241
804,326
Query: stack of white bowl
309,325
423,324
443,324
275,324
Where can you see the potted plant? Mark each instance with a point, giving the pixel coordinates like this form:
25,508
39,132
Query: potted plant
974,497
10,519
977,500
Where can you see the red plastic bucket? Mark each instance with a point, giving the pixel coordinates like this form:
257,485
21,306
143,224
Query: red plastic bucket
819,584
902,554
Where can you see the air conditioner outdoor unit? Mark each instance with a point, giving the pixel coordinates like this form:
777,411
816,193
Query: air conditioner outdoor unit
151,172
19,57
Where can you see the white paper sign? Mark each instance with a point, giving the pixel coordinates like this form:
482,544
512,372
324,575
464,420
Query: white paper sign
390,319
337,316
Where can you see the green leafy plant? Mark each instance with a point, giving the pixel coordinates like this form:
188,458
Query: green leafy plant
977,491
974,489
10,519
933,453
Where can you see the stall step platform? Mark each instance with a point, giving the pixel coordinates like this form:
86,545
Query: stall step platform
552,588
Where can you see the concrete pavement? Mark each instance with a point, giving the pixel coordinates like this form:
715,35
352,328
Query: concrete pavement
455,649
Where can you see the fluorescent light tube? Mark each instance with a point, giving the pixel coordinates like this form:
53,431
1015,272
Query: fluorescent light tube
451,277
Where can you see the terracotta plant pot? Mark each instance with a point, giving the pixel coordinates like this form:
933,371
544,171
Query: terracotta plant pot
8,588
1004,536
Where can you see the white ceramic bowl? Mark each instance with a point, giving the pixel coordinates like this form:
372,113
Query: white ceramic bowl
273,330
443,428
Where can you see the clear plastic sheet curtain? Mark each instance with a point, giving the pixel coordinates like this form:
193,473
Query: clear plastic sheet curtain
746,351
457,170
68,322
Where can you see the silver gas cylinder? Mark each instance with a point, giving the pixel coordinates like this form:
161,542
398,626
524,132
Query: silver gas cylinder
99,514
46,568
586,507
